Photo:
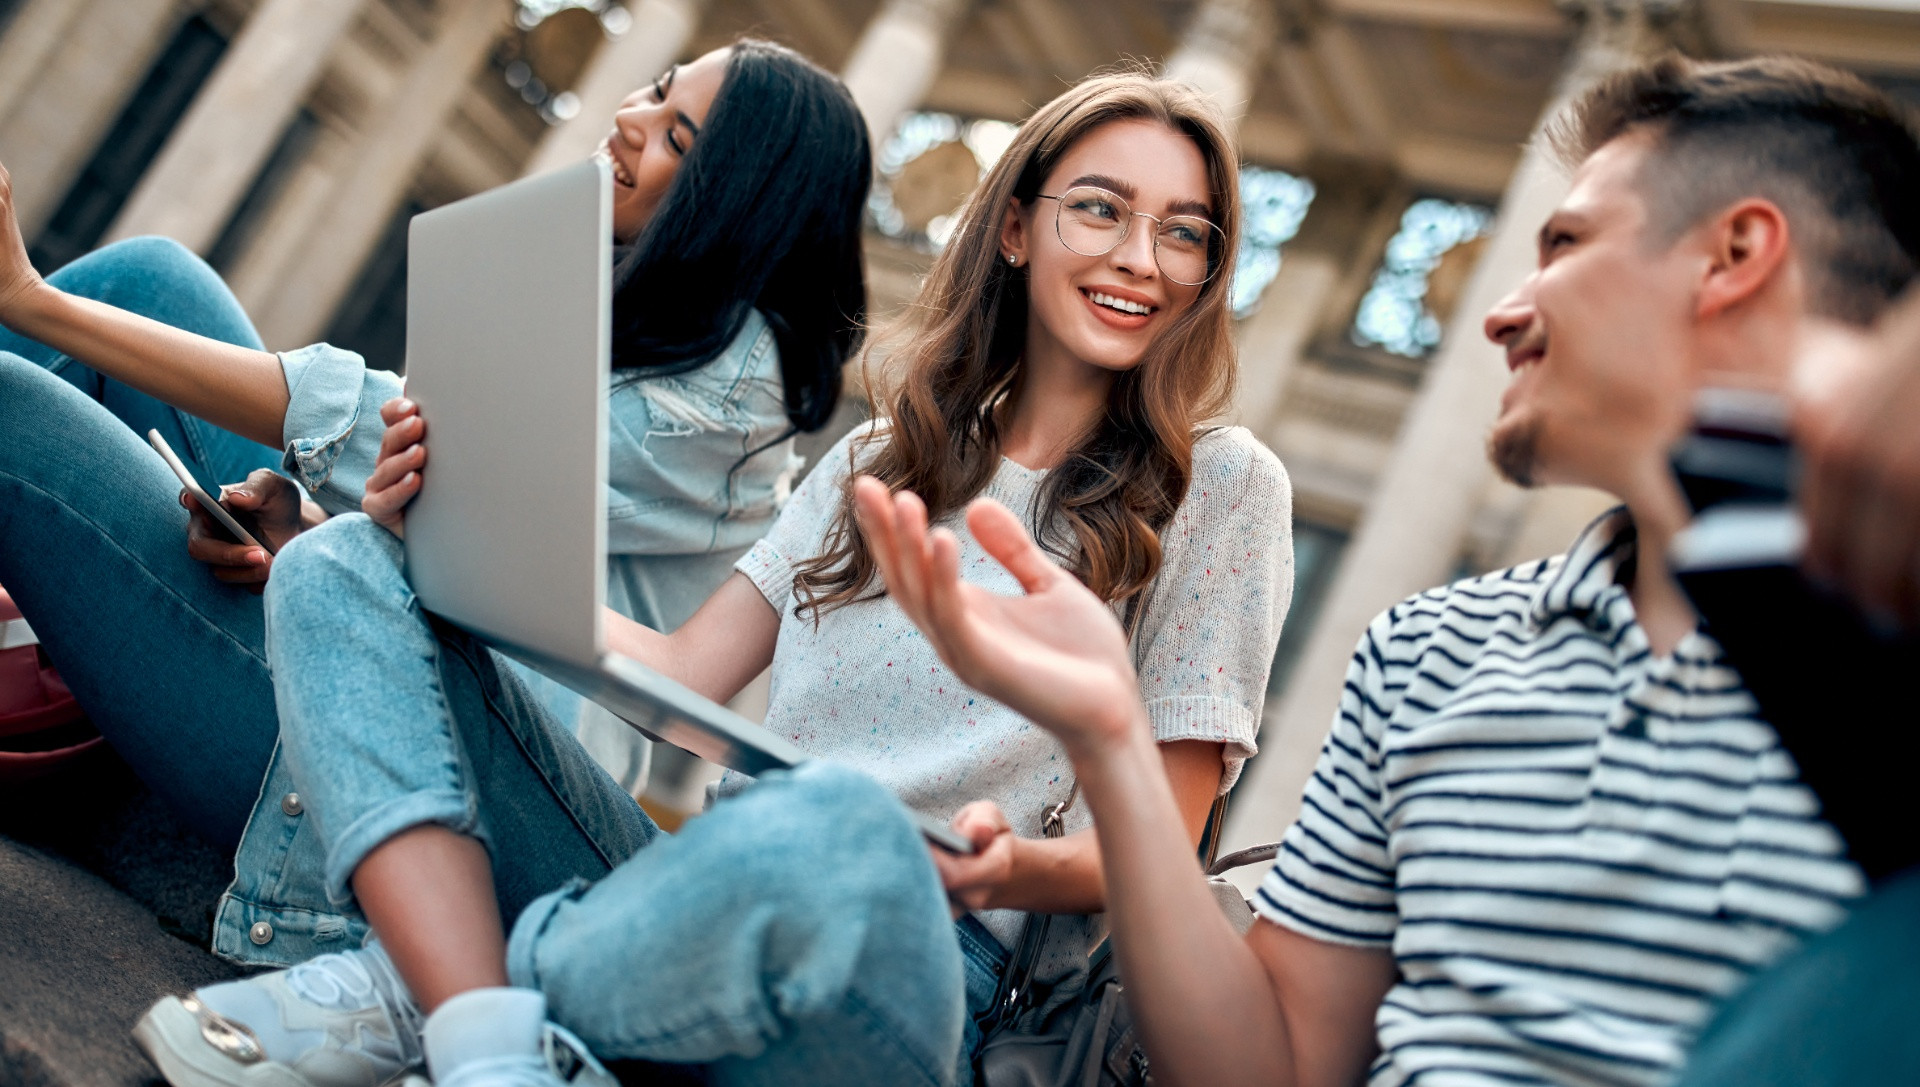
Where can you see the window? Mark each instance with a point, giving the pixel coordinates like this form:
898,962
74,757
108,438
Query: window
905,203
1274,204
532,69
1394,315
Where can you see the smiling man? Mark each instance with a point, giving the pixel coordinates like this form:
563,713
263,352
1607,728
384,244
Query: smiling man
1548,831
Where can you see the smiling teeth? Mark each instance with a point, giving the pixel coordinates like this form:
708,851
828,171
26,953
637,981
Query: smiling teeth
620,173
1120,304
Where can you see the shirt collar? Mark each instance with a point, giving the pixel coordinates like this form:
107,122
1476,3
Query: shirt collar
1592,572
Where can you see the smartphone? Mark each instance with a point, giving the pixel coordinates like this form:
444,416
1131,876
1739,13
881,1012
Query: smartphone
241,531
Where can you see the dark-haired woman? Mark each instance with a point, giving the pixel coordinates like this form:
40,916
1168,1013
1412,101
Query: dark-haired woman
1066,351
739,180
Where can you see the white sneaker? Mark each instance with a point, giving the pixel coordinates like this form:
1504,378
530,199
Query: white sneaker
341,1020
500,1037
563,1061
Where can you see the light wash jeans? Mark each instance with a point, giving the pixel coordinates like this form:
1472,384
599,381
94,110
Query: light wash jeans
169,662
794,934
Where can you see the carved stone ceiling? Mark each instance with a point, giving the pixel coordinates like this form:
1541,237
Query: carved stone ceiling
1443,91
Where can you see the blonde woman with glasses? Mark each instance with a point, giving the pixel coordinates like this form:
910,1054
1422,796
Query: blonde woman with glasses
1064,357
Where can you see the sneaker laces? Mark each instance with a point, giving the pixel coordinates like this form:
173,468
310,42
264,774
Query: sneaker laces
569,1059
356,979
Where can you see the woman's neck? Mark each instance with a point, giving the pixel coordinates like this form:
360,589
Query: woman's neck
1054,403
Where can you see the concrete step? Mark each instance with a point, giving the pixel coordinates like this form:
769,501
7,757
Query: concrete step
80,961
106,905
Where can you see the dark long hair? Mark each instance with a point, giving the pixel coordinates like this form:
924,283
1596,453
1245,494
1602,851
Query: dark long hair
763,214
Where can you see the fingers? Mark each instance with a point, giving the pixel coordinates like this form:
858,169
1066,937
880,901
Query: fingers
397,409
262,487
980,822
405,431
1003,536
946,602
913,548
895,532
389,503
392,469
207,542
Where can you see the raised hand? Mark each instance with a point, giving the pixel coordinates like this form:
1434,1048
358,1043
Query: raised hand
1055,654
396,476
18,278
1857,401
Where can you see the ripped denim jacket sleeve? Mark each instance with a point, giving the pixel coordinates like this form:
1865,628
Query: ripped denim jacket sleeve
696,461
333,426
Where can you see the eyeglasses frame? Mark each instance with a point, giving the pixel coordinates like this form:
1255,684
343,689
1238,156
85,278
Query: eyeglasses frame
1127,228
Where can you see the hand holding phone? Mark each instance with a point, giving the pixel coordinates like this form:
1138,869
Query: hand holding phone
242,533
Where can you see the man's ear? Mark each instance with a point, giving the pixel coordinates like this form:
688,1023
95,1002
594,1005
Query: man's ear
1748,246
1013,232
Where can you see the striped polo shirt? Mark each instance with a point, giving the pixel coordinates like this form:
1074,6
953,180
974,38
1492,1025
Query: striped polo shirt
1572,847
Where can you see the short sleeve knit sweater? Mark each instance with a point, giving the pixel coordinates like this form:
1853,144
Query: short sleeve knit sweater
863,687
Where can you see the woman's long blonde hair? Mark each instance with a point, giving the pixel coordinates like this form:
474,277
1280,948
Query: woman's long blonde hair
957,350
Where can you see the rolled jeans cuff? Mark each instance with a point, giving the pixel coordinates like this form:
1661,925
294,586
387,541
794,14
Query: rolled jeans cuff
440,807
522,967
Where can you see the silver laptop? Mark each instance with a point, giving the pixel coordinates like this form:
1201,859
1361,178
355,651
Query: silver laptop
509,325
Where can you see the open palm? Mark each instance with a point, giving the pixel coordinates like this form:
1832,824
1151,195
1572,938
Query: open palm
1055,654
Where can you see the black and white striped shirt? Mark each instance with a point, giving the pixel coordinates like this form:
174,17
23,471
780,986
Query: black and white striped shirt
1573,847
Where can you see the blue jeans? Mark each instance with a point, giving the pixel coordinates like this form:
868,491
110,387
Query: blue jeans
794,934
169,663
1836,1012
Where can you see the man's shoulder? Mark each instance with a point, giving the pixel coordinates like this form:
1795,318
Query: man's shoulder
1512,592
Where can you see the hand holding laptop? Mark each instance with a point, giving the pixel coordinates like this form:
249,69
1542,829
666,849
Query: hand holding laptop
396,477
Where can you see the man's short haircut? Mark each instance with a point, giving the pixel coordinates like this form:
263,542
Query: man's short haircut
1838,157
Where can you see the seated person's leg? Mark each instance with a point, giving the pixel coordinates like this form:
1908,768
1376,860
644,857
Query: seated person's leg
390,724
443,799
168,662
801,926
794,934
1837,1012
161,279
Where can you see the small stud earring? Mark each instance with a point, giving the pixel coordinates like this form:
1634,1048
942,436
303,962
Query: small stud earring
1013,259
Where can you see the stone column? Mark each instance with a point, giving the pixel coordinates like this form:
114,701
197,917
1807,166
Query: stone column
896,58
661,28
1221,51
1273,338
1293,308
401,132
73,98
1411,534
214,154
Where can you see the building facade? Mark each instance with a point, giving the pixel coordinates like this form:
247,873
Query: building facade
1392,195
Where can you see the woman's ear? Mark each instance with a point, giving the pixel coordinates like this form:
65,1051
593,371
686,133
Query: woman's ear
1013,233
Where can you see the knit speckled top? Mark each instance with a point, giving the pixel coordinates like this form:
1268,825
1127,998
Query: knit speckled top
864,687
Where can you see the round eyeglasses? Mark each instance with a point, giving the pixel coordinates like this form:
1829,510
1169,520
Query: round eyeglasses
1093,222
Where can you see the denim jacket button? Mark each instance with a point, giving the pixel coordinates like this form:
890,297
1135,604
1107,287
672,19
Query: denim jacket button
260,933
290,804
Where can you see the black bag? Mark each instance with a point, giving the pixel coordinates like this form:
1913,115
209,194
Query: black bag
1088,1041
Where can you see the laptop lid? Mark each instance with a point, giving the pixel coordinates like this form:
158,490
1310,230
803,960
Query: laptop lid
509,326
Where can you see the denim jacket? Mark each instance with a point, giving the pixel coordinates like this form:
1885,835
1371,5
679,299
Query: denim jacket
695,472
